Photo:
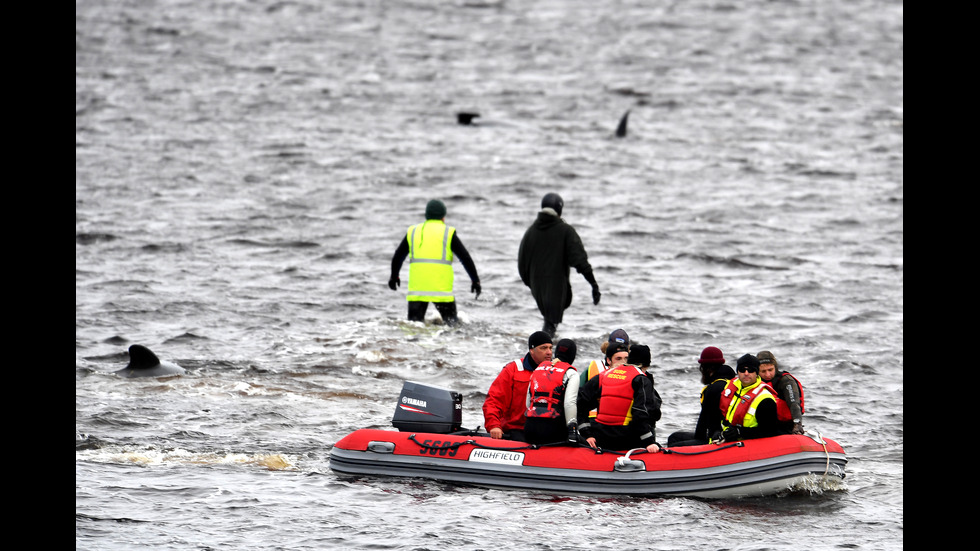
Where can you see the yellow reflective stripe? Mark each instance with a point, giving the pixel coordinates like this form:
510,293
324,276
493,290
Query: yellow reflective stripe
430,261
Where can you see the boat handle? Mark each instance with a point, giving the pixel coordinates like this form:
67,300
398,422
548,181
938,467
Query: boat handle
381,447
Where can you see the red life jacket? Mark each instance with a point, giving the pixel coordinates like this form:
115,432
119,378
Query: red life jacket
616,395
547,388
782,406
744,411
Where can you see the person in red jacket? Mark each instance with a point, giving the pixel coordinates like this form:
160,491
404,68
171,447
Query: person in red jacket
503,409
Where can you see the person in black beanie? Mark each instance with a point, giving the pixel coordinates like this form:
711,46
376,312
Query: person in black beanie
748,406
430,247
640,357
505,404
549,248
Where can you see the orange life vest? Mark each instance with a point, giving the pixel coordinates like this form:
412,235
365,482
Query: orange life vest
616,395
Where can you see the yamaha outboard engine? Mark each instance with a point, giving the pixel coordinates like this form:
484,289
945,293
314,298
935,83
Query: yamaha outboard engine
424,408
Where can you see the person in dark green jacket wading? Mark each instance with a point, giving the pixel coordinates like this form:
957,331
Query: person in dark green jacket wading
549,249
430,248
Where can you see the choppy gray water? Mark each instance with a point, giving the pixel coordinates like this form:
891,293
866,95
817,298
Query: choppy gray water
245,169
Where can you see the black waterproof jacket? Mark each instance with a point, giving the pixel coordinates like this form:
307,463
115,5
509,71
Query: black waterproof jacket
709,421
549,249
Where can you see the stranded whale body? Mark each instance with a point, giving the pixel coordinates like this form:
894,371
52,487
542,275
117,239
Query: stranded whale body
465,117
144,363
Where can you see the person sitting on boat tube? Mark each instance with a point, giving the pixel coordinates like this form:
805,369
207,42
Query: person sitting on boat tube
788,391
503,409
615,350
715,375
747,406
430,247
618,336
552,396
628,406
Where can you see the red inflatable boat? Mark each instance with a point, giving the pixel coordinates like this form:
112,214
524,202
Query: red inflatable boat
440,451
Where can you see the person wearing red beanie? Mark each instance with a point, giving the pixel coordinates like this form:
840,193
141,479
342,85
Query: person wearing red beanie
715,375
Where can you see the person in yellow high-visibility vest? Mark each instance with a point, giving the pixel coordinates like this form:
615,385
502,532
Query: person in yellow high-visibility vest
747,405
430,248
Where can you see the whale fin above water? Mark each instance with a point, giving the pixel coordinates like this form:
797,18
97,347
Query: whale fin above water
621,129
144,363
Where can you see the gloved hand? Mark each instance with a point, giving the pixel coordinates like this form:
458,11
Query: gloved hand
595,294
731,434
573,432
797,428
476,289
394,282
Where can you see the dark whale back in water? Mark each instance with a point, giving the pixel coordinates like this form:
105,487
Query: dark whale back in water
144,363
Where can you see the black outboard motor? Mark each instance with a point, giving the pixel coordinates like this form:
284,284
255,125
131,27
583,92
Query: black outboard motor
424,408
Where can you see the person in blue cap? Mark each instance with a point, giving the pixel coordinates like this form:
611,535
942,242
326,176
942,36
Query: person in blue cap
430,248
616,349
627,404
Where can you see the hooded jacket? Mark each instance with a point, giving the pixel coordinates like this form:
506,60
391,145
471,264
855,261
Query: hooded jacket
549,249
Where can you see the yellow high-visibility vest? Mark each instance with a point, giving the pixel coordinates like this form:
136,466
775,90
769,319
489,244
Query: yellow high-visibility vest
430,268
738,405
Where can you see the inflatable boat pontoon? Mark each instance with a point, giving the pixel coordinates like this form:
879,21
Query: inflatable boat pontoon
430,445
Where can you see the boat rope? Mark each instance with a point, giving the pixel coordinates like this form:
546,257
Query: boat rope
475,444
716,449
624,459
818,438
598,451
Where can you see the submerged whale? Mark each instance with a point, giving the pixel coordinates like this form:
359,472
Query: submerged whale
465,117
144,363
